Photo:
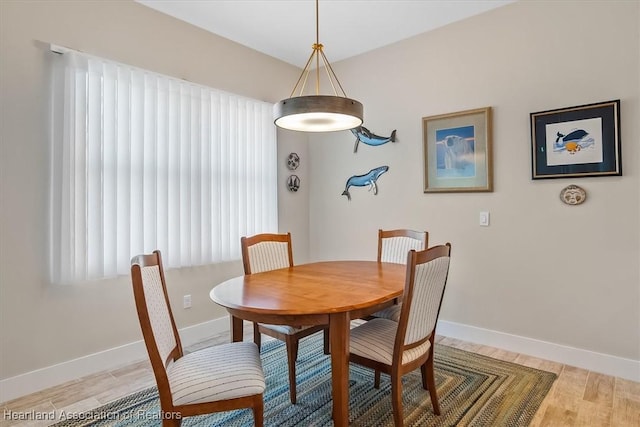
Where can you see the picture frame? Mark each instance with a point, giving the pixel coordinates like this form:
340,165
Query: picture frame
457,152
575,142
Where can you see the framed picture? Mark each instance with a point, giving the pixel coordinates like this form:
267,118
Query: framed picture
576,141
457,152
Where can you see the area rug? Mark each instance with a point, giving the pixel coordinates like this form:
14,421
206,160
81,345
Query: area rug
473,390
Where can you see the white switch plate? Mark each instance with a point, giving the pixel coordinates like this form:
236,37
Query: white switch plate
186,301
484,219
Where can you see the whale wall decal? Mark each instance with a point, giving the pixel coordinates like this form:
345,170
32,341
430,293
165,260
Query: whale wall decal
370,179
365,136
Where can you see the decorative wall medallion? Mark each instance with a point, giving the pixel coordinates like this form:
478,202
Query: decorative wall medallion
573,195
293,161
293,183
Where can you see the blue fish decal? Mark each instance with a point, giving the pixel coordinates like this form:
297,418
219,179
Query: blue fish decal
364,135
369,179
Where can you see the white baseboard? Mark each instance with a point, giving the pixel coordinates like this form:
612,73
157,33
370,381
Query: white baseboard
593,361
31,382
40,379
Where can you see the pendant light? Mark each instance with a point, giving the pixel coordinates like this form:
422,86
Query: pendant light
318,113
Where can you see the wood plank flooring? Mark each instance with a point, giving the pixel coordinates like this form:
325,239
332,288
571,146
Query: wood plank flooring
577,398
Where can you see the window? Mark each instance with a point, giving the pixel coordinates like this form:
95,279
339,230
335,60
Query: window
143,161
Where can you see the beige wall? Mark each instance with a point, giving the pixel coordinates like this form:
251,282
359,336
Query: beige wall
563,274
40,324
293,207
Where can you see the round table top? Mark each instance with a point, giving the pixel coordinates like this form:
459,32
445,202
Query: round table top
315,288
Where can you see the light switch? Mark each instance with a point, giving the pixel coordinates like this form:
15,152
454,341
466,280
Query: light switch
484,219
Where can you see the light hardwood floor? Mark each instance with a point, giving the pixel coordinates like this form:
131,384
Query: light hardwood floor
577,398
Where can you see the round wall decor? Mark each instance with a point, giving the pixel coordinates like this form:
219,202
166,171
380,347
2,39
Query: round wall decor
293,183
573,195
293,161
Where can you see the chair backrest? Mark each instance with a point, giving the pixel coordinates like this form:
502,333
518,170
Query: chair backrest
154,312
427,273
264,252
394,245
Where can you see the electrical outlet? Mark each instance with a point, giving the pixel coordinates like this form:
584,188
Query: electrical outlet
484,219
186,301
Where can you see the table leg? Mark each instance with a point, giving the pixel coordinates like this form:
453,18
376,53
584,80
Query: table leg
339,337
237,326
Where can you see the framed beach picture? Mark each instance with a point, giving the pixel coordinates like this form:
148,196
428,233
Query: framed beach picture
576,141
457,152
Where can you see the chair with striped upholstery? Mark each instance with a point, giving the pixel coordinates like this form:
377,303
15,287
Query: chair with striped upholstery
214,379
264,252
393,246
397,348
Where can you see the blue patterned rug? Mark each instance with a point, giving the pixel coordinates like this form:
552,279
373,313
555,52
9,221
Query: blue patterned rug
473,390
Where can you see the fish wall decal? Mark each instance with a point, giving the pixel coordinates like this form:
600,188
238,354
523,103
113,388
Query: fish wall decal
370,179
365,136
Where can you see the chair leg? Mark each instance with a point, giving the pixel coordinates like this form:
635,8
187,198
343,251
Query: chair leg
258,412
171,422
427,370
376,379
292,356
256,335
396,398
326,341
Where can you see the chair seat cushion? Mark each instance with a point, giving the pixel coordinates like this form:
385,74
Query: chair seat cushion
216,373
285,329
375,340
391,313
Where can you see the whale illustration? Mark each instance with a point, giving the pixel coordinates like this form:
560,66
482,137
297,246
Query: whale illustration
364,135
573,141
369,179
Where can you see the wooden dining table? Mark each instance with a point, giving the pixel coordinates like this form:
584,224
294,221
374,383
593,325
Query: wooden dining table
321,293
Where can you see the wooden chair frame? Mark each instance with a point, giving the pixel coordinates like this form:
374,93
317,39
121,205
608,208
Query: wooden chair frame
397,370
291,340
422,236
172,414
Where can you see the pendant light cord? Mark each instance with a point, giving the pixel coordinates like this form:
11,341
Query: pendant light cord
318,52
318,46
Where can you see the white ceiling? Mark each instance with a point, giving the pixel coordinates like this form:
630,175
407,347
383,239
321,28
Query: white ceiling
285,29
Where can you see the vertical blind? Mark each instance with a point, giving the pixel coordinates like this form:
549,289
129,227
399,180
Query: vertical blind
142,161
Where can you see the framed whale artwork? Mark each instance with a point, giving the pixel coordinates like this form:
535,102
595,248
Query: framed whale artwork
576,142
457,152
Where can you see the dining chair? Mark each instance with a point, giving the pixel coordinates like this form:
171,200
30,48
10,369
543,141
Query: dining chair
397,348
393,246
213,379
264,252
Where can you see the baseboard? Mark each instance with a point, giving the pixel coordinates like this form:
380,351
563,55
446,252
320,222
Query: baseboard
31,382
598,362
40,379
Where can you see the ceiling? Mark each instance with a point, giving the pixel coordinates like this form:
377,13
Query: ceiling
285,29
